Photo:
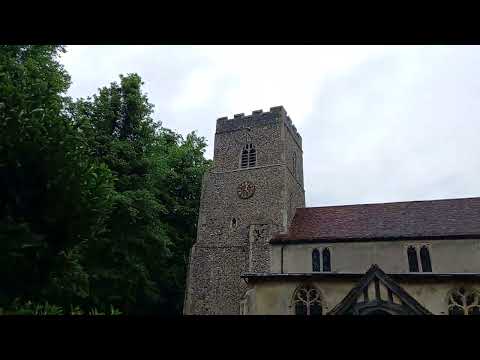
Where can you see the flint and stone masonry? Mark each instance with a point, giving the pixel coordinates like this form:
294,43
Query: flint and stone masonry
234,231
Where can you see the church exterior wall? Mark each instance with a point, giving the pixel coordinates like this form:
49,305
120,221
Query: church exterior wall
236,223
224,252
266,138
221,192
447,256
275,297
233,233
294,173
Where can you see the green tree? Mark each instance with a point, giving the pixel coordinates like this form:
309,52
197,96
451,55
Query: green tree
121,134
55,198
153,222
99,203
179,168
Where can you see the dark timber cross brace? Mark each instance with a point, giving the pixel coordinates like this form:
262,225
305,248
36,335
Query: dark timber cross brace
350,305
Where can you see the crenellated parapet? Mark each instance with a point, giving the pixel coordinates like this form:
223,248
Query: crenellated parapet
258,118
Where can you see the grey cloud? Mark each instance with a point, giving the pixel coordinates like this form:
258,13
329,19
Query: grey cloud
379,138
402,125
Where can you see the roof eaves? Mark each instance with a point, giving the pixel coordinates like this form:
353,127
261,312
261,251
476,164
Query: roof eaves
305,240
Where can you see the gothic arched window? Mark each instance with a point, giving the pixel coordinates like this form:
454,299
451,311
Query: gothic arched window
326,260
412,259
425,259
307,301
464,302
248,157
315,260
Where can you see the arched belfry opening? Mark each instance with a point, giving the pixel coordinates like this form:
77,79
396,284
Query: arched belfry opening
248,157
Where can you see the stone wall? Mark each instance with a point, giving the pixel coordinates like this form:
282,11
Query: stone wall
234,233
447,256
275,297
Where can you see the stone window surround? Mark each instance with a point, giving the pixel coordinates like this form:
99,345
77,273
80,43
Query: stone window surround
320,249
418,246
467,287
232,220
316,260
249,147
291,306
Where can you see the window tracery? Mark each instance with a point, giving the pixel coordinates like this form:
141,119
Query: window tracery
464,301
307,301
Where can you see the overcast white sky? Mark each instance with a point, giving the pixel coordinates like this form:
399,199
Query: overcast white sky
379,123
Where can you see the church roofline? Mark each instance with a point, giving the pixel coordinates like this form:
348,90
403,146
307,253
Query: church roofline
394,202
284,239
425,219
355,275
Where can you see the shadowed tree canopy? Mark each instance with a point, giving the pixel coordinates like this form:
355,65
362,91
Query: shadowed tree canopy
100,201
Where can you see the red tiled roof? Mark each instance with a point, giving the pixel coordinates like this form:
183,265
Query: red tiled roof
433,218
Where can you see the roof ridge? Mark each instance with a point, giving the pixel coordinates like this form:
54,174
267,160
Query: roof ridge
388,203
442,218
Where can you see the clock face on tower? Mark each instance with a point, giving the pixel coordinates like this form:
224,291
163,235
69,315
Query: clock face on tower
245,190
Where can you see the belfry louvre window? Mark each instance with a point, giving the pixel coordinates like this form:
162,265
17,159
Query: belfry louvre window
248,157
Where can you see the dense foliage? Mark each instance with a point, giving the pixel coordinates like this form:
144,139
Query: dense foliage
99,203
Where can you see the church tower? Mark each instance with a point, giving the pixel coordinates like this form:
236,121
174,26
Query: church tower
250,193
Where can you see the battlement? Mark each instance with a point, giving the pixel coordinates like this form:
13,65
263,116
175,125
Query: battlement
258,118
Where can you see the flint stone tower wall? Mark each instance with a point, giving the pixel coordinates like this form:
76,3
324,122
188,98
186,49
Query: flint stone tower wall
233,233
